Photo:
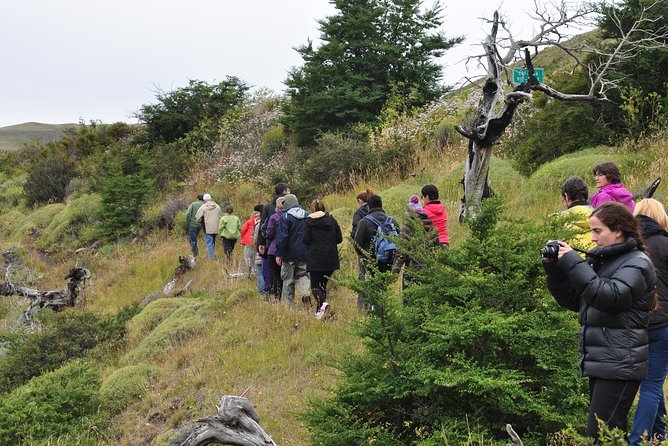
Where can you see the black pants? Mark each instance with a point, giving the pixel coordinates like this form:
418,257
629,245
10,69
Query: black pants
228,246
275,282
610,400
319,285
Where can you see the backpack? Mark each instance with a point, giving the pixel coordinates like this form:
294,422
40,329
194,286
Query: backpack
383,246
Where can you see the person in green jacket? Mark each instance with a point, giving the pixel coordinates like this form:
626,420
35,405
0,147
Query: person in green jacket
193,226
229,229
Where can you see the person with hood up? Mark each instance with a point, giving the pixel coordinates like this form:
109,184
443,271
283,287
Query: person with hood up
229,229
322,234
610,187
649,421
193,225
211,213
275,282
435,212
291,251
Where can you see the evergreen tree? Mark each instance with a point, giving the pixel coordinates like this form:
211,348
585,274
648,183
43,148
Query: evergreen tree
481,343
371,47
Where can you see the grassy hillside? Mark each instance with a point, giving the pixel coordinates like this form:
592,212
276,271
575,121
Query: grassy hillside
181,354
14,136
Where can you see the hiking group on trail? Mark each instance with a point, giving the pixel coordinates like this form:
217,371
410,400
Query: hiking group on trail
618,282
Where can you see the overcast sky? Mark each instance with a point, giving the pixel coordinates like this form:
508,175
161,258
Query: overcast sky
66,60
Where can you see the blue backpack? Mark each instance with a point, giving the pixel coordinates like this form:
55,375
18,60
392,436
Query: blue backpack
383,246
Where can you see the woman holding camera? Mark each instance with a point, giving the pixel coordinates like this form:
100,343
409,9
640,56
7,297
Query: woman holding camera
614,295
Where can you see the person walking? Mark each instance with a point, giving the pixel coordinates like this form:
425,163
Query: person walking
649,421
291,251
280,189
610,187
575,192
229,229
275,282
322,234
361,211
614,296
247,240
193,225
211,214
435,212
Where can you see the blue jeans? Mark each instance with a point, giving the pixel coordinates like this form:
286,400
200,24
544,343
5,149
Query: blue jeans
210,240
651,402
192,237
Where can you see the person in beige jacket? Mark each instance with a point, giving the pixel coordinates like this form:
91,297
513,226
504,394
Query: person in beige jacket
211,213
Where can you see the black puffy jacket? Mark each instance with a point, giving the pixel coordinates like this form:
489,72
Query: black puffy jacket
321,235
656,239
614,297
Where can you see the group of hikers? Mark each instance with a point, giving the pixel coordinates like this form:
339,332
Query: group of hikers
616,277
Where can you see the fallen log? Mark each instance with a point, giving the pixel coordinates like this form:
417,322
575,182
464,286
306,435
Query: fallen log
237,423
54,299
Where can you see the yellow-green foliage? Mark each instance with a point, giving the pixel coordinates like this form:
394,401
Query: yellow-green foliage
11,190
10,220
66,225
151,316
34,223
180,325
126,385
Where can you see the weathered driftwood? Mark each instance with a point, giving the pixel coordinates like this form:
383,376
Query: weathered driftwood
517,441
237,423
54,299
185,264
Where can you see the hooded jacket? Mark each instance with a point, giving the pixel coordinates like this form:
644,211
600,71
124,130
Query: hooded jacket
613,192
272,232
361,212
321,235
290,246
229,226
656,239
614,297
247,230
439,217
211,213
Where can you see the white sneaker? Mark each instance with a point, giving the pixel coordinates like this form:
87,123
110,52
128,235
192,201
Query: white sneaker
322,311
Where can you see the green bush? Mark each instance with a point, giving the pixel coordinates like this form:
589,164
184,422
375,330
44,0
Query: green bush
65,336
481,344
151,316
35,222
48,179
273,141
126,385
66,229
61,402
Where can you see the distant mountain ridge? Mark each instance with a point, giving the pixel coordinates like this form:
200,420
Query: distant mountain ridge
13,137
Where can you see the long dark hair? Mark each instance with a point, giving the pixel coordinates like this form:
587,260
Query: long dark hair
617,217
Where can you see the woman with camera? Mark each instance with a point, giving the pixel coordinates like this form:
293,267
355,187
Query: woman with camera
614,293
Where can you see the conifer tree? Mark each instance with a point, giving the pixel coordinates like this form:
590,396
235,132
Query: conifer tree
371,49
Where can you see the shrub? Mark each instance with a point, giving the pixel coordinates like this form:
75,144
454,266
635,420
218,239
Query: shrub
273,141
65,336
61,402
126,385
481,344
48,179
150,317
67,225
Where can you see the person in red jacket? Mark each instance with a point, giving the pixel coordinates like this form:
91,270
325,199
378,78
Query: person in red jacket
435,212
247,239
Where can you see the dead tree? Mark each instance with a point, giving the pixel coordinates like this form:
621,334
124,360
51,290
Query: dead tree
57,300
496,108
237,423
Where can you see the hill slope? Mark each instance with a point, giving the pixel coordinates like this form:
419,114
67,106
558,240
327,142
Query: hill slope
14,136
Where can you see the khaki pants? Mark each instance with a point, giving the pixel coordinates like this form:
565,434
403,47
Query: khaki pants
294,276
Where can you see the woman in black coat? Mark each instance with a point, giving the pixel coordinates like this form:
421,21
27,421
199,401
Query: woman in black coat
321,235
614,295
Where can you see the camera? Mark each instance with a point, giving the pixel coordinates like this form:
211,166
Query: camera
550,250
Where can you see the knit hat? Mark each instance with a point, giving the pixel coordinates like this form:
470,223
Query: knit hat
289,201
206,197
414,203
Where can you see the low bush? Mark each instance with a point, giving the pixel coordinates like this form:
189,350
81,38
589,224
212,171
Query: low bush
150,317
273,141
62,402
125,385
48,178
67,335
